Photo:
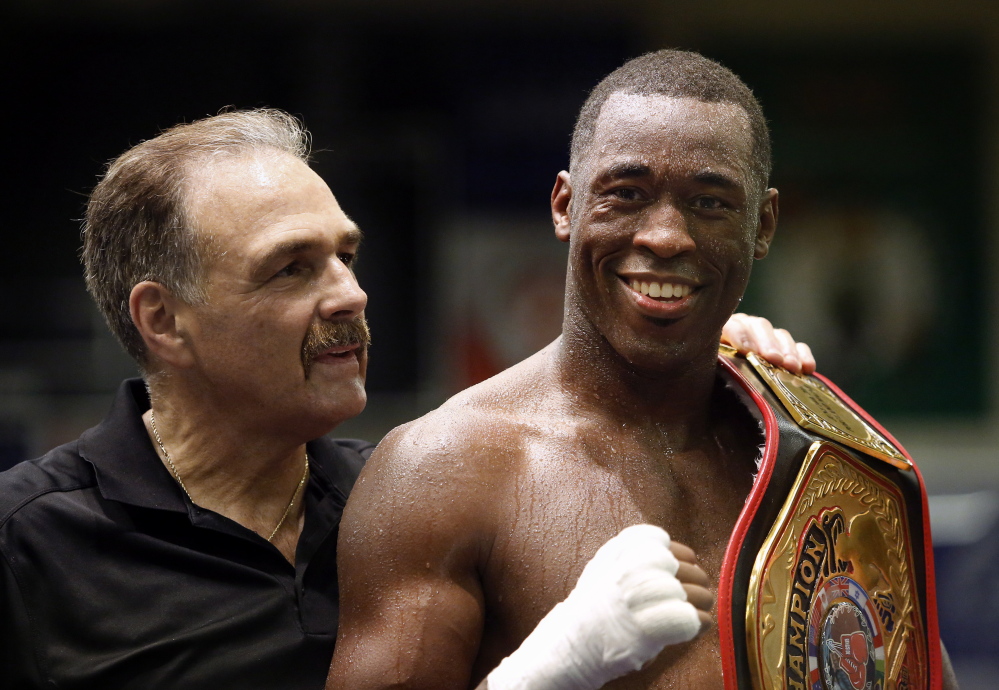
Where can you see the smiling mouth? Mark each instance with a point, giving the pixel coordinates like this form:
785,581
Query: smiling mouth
664,292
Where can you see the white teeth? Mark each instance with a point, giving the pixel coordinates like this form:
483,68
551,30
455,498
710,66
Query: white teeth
661,290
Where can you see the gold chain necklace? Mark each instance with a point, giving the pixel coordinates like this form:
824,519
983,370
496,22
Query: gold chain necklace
176,475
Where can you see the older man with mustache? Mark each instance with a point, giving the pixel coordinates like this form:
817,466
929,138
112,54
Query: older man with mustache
189,541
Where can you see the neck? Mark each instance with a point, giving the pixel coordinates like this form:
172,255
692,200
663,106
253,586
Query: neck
675,399
226,464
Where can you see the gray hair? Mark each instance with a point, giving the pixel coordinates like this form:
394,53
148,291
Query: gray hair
137,227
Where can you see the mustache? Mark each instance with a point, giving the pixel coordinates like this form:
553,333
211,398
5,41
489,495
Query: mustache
324,335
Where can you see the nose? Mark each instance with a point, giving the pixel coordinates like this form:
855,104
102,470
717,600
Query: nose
342,295
665,231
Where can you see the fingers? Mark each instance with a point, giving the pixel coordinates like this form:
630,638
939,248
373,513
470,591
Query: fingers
764,341
661,606
700,598
688,571
807,358
755,334
668,601
649,589
703,600
672,621
634,546
695,583
626,606
639,551
692,573
737,333
705,620
683,552
788,351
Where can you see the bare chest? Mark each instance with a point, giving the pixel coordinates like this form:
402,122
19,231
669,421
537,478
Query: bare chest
568,501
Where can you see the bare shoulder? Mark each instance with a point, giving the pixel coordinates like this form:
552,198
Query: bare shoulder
452,462
471,432
418,532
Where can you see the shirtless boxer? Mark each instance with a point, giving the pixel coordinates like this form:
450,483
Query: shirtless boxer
470,524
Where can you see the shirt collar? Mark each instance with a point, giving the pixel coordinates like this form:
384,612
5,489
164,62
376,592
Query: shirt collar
128,469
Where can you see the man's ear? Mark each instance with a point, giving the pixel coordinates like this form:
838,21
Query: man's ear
154,310
561,205
767,224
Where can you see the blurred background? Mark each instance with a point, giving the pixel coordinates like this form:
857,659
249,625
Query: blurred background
440,126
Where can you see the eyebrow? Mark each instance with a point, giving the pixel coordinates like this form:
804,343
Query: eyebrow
351,236
625,170
354,235
630,169
717,179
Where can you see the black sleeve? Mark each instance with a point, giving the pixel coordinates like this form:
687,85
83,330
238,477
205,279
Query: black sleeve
353,453
19,663
344,459
362,448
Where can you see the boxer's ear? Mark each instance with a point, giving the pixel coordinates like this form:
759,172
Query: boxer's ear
767,223
155,313
562,205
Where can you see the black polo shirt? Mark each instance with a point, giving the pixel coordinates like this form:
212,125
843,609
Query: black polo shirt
111,578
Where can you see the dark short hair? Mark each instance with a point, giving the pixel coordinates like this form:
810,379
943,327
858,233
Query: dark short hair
678,74
136,226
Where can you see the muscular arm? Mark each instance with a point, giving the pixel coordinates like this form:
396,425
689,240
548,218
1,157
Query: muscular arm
417,535
411,603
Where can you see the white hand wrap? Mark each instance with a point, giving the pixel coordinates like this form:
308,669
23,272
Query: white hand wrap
626,606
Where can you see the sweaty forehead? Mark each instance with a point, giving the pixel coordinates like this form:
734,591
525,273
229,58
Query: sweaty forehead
632,125
244,181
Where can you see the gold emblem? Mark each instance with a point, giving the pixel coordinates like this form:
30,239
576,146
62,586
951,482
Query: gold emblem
832,599
816,408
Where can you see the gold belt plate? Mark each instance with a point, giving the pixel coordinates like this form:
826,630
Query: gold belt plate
832,601
814,406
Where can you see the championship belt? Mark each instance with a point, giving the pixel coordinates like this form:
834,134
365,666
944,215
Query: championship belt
827,582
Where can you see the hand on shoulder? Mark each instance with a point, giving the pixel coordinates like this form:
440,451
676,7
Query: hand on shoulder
755,334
